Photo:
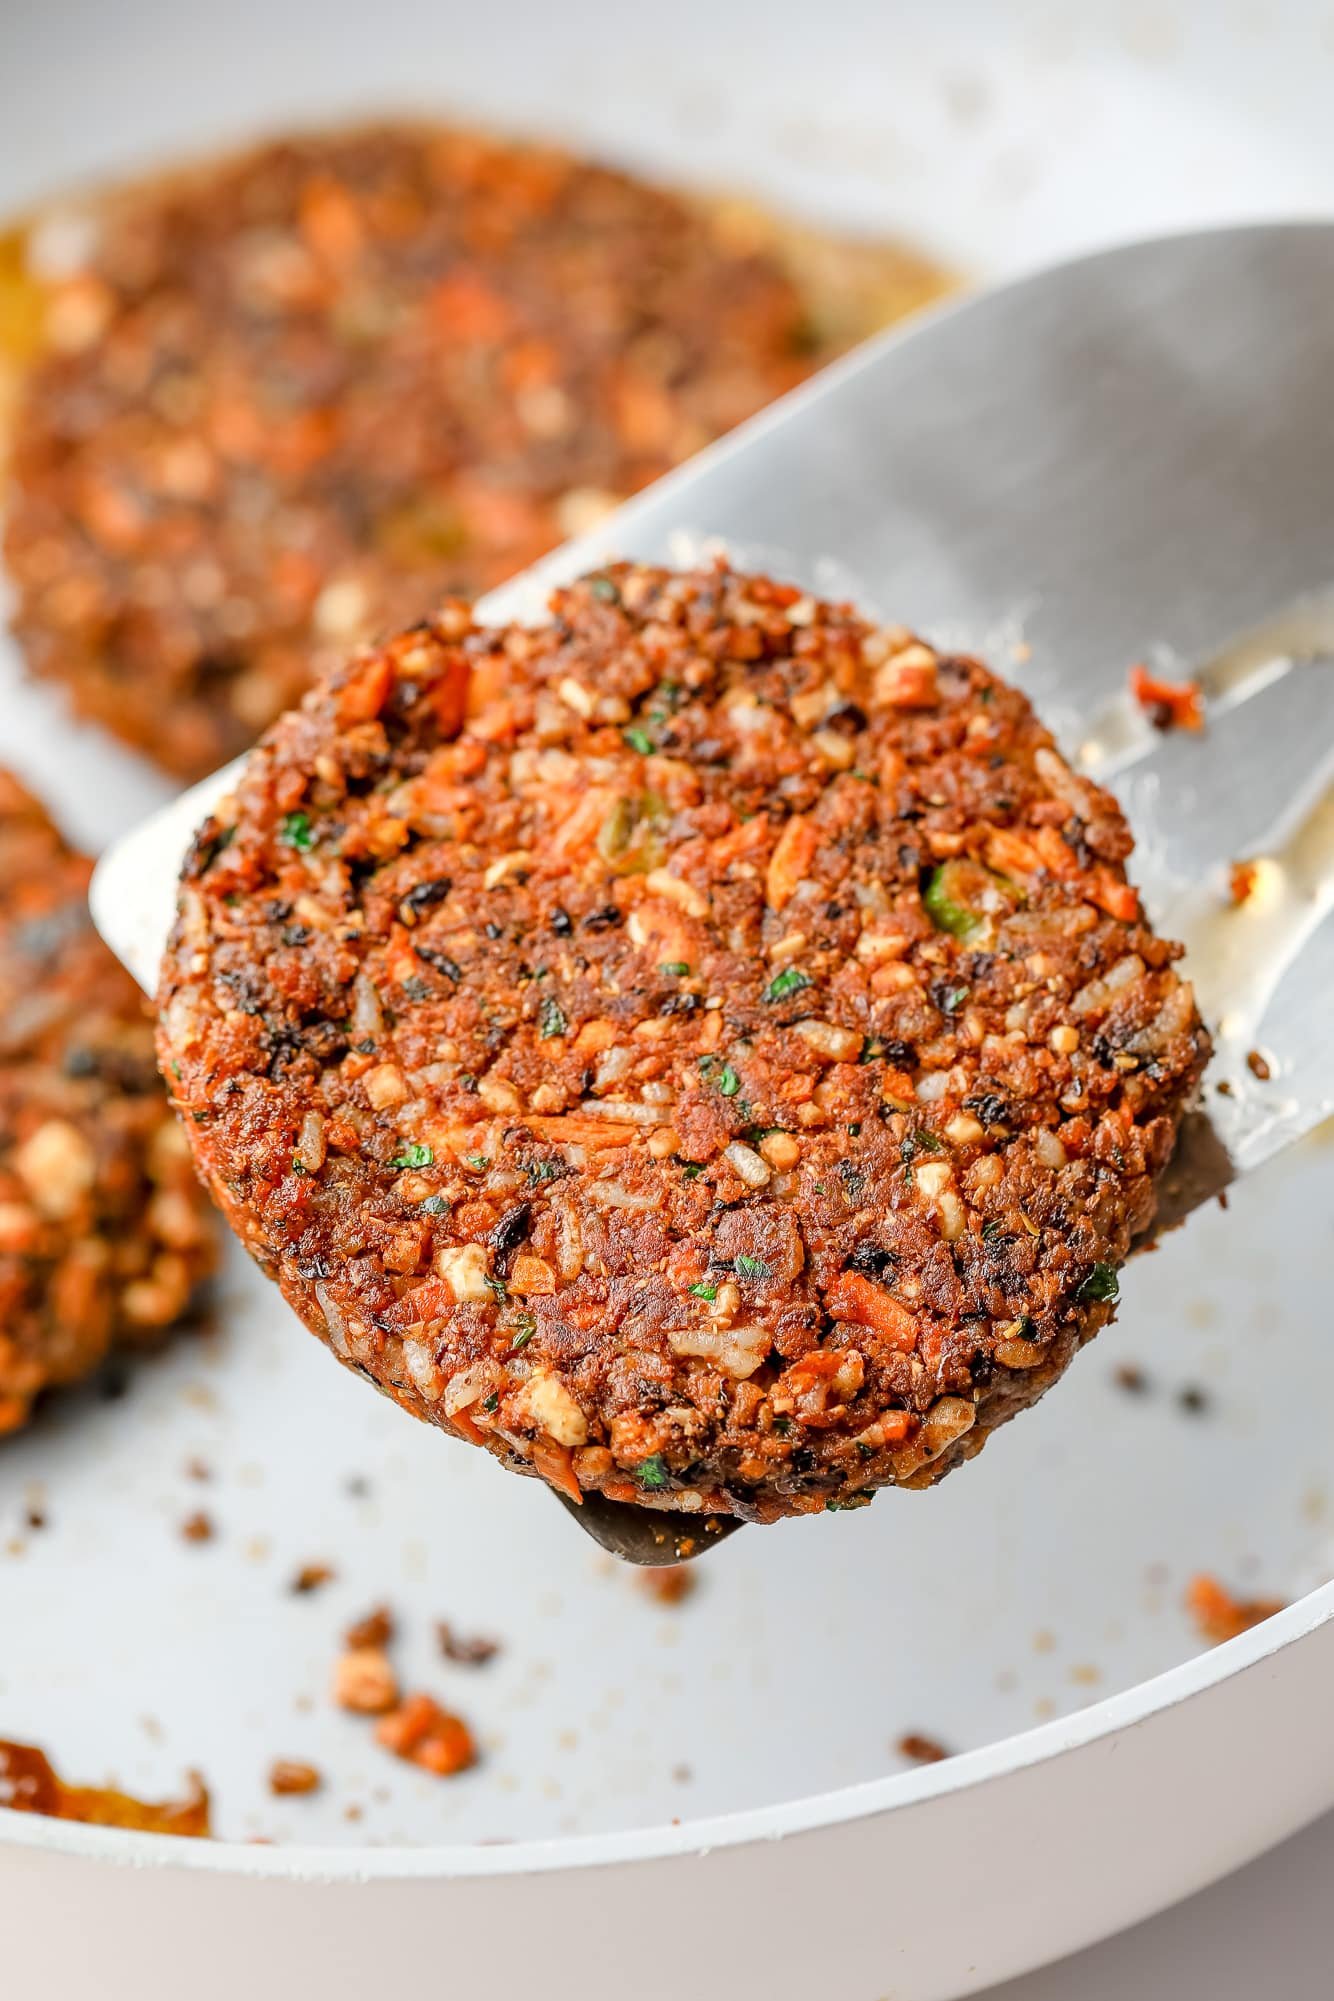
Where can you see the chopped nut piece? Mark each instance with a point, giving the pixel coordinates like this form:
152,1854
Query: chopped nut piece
287,1777
365,1682
376,1630
310,1577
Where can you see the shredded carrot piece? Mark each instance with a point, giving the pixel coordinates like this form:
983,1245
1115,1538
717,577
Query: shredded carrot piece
555,1464
1119,899
790,860
852,1297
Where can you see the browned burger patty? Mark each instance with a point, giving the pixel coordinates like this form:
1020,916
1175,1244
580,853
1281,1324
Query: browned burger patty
705,1049
290,400
104,1230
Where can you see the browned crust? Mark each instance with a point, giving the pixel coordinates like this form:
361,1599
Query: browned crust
705,1049
104,1231
290,398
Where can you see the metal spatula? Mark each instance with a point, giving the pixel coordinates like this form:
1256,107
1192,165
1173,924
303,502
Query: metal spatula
1127,458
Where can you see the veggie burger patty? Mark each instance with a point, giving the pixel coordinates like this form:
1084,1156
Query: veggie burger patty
704,1049
104,1230
285,401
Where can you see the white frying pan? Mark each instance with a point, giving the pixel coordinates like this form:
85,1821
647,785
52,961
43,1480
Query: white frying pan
715,1796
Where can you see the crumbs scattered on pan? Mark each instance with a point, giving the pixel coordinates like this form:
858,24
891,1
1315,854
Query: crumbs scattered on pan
923,1750
289,1778
312,1577
465,1650
425,1734
1218,1615
198,1527
414,1727
1169,705
376,1629
669,1584
364,1681
29,1783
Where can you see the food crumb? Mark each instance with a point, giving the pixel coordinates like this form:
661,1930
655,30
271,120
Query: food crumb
198,1527
1130,1377
198,1469
669,1584
921,1749
29,1783
311,1577
364,1681
1218,1616
376,1629
35,1518
424,1734
1241,881
1169,705
1194,1399
289,1777
1258,1065
473,1650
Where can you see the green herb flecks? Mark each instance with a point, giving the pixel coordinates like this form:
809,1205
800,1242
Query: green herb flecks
295,832
652,1473
551,1019
1101,1284
747,1267
703,1291
639,740
413,1155
675,969
790,981
728,1081
944,905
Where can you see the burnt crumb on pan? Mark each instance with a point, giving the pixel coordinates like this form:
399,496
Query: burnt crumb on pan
105,1233
820,1234
311,1577
198,1527
921,1749
289,1777
29,1783
376,1629
1194,1399
1130,1377
1219,1615
292,396
465,1649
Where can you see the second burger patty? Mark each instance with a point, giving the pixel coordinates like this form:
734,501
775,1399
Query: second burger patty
705,1049
285,401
